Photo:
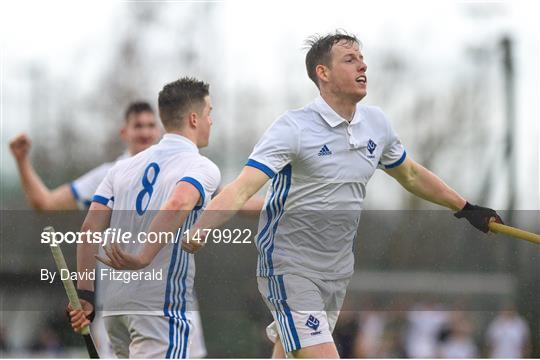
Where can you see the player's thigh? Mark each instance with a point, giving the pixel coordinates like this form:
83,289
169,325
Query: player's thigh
100,337
118,333
319,351
161,337
278,352
325,350
197,349
298,310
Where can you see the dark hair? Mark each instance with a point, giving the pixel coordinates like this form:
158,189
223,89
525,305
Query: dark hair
137,107
320,47
179,97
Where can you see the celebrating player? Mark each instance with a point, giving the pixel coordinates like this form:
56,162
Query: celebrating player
171,176
321,157
140,130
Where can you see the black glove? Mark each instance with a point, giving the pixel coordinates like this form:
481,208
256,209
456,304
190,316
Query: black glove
88,296
478,216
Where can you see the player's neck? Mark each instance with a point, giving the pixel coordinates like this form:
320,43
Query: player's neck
342,106
187,134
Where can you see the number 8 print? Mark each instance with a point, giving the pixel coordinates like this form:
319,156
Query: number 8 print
148,188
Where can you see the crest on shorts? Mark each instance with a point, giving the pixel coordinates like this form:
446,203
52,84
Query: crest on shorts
312,322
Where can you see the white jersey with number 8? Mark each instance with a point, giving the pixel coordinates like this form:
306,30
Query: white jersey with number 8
134,189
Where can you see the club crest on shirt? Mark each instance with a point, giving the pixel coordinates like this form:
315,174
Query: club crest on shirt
371,146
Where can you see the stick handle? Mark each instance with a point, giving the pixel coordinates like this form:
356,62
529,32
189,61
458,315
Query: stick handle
515,232
68,284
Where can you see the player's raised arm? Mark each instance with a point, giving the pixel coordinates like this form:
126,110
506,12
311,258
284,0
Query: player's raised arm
38,194
423,183
226,204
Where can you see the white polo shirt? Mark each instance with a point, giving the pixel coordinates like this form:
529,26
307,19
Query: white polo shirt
84,187
320,165
134,189
507,337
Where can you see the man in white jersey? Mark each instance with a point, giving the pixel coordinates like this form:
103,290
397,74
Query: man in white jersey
140,130
508,335
319,158
151,318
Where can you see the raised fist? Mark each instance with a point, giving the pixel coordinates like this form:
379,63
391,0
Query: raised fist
20,146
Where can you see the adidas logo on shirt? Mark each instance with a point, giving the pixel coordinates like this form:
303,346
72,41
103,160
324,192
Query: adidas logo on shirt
325,151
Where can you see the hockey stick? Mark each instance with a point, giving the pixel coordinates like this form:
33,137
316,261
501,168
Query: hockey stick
71,293
515,232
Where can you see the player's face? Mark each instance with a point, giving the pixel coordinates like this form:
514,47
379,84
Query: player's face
140,132
347,75
205,123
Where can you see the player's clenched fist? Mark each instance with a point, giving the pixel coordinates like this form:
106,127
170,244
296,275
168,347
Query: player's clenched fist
478,216
20,146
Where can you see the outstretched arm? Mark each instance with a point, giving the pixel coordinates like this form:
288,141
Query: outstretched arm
38,194
423,183
226,204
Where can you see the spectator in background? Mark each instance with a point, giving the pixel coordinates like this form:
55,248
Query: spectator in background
456,341
371,330
508,335
425,322
48,341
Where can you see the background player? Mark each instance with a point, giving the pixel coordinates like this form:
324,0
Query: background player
321,157
140,130
150,318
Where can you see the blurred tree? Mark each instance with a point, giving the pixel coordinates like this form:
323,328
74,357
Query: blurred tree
432,115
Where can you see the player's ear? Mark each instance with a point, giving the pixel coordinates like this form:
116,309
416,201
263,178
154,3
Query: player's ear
123,133
322,72
193,119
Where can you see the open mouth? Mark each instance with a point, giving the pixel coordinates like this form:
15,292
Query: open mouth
361,79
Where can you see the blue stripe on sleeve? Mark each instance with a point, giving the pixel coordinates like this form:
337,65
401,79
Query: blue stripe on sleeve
265,169
101,200
397,163
197,185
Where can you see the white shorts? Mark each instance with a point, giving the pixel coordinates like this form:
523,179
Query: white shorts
148,336
305,310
